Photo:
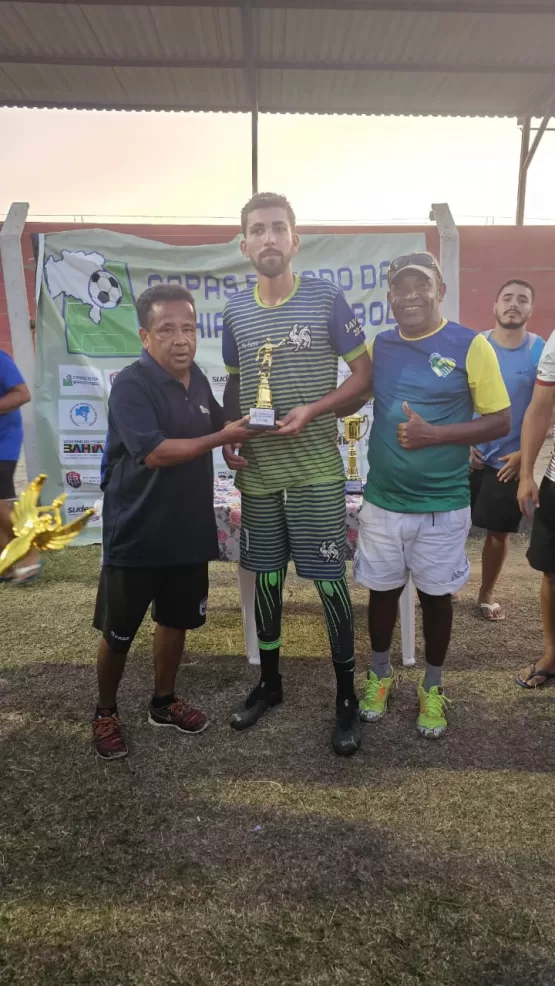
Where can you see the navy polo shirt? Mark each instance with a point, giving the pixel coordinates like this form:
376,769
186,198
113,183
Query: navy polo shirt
158,517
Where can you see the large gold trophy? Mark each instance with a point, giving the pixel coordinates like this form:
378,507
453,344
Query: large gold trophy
39,527
263,415
353,434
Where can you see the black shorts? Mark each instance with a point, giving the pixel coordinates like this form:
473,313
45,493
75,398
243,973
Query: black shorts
494,504
541,553
7,473
178,596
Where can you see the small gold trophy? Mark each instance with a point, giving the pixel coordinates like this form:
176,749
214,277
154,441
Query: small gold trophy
353,433
263,416
39,527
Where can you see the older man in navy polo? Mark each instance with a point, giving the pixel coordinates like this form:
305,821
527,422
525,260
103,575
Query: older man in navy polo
159,529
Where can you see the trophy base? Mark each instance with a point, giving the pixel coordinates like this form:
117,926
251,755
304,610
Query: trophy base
354,487
262,418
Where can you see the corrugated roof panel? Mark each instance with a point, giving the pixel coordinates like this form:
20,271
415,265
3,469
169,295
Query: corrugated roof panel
441,42
179,88
406,38
65,84
9,87
196,89
385,93
101,31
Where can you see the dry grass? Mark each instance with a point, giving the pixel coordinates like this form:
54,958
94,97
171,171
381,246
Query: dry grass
261,858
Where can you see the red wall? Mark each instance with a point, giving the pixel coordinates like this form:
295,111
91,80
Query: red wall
489,256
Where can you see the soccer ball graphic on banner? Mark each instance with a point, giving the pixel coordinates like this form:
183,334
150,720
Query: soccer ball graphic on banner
105,289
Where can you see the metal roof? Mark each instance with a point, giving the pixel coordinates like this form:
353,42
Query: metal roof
456,57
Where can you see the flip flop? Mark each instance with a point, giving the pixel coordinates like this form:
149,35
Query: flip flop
491,608
546,675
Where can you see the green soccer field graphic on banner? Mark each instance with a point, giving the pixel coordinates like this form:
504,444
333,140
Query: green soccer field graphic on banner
117,332
98,304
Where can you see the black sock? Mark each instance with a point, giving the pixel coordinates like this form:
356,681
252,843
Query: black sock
105,713
269,666
345,677
161,701
268,603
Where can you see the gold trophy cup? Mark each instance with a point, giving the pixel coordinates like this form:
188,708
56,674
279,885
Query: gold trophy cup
353,433
263,415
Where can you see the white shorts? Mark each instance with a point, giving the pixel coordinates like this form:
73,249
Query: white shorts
429,547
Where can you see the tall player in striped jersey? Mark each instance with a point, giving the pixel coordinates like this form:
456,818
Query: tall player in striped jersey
291,480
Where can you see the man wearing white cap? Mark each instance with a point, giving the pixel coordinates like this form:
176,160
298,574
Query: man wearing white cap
431,377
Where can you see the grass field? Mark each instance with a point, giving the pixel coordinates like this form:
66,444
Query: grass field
261,858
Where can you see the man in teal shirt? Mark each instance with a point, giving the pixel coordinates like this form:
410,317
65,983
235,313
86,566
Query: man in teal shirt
431,378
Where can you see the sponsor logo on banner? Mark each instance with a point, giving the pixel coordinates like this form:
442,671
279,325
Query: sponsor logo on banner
85,480
82,414
75,450
80,380
75,507
110,377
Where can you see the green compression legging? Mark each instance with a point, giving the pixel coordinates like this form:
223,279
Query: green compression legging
337,610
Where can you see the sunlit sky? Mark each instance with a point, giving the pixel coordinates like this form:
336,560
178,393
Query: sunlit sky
185,166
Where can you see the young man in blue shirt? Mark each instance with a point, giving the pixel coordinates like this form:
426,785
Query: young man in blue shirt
496,464
158,524
13,394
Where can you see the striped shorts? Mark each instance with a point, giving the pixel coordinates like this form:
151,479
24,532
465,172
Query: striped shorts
306,523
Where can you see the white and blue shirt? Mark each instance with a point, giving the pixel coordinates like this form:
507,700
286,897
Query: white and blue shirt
519,368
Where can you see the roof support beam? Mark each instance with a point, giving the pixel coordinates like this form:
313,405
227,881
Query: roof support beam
526,157
449,258
518,7
522,171
266,65
248,52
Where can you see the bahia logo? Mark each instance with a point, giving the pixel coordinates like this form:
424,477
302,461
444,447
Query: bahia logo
113,377
83,415
95,447
73,479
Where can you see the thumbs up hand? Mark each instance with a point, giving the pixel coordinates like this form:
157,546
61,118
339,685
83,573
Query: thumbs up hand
416,432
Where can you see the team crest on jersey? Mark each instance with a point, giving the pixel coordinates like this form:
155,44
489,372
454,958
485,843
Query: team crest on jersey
442,365
329,551
300,336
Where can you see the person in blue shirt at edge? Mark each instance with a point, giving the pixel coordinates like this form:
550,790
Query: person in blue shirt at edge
431,376
158,523
495,465
13,394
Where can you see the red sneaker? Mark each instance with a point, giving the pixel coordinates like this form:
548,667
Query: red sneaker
179,716
108,741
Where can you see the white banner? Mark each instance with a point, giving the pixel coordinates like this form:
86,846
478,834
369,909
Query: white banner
87,327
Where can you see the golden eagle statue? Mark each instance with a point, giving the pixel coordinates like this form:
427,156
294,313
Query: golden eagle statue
39,527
